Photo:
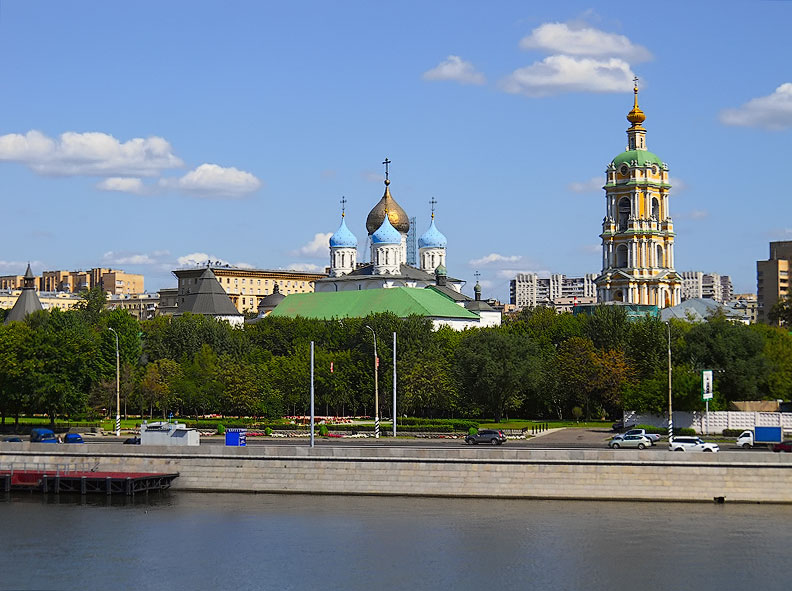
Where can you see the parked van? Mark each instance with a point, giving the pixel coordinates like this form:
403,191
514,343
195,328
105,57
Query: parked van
41,435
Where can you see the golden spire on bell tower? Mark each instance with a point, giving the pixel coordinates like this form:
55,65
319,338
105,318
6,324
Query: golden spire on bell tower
636,116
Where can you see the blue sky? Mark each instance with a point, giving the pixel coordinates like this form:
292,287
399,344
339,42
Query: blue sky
149,135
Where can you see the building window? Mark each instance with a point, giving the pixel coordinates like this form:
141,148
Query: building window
621,256
660,262
624,213
656,208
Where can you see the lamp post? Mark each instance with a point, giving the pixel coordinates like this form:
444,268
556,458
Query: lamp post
394,386
670,415
376,385
118,386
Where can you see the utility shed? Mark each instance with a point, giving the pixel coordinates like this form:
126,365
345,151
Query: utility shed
163,433
401,301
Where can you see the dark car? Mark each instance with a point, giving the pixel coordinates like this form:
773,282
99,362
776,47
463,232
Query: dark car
42,435
132,440
12,439
490,436
73,438
783,446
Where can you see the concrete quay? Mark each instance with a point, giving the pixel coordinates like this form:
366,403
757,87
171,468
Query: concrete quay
496,472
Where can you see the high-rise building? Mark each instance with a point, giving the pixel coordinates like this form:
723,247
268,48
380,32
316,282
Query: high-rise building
772,278
637,231
697,284
528,290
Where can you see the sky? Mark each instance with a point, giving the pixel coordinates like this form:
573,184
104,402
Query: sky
151,135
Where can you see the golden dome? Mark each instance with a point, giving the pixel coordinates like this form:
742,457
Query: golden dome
387,205
636,116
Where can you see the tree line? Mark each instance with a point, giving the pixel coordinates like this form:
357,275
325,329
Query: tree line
538,364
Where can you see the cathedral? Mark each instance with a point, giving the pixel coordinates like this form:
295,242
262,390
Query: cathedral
387,226
637,231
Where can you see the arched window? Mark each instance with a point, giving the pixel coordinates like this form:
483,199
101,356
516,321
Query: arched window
618,296
660,262
621,256
656,208
624,213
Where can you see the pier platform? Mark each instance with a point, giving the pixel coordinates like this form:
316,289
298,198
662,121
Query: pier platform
84,481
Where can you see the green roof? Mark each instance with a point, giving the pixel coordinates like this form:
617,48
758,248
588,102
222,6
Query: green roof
644,158
402,301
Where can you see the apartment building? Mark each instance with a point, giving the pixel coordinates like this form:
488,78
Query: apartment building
697,284
772,278
528,290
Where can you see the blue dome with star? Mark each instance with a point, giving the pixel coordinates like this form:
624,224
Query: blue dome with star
386,233
343,237
432,238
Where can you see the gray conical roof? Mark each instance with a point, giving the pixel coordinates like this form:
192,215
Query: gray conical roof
270,302
27,302
210,299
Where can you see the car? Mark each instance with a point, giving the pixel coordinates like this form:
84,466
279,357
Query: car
73,438
691,444
132,440
12,439
42,435
783,446
632,440
652,437
490,436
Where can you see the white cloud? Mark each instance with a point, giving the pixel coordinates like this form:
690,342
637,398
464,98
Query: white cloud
512,273
773,111
485,283
122,185
89,154
494,258
374,177
201,259
18,267
695,215
319,246
456,69
305,267
211,180
562,73
560,38
593,185
129,258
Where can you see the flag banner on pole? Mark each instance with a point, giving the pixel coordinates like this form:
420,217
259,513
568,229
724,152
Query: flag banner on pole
331,367
706,384
377,361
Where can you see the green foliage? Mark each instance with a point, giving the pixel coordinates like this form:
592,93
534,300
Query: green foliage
220,429
732,432
323,430
472,431
268,431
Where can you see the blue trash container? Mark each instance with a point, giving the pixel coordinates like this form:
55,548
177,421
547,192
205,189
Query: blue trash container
236,437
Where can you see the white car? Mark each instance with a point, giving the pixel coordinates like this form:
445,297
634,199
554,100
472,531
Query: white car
652,437
639,441
691,444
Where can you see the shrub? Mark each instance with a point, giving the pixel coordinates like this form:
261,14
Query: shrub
323,431
472,431
732,432
220,428
267,431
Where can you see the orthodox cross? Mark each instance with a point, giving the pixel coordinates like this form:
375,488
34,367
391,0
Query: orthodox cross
343,205
433,202
477,275
386,162
635,81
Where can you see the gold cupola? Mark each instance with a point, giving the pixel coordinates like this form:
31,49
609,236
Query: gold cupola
387,206
636,116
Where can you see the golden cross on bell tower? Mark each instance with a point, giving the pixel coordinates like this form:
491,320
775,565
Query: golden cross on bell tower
433,202
343,205
386,162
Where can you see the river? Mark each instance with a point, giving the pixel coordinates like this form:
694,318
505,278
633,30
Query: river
242,541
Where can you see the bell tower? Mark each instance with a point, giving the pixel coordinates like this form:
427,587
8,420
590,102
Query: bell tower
637,230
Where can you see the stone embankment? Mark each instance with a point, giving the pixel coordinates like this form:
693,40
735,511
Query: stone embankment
454,472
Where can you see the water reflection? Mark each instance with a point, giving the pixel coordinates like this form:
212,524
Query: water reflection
299,541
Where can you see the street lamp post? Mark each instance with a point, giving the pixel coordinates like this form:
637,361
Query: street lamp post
118,386
670,411
376,385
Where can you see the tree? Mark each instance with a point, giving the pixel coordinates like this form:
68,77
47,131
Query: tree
781,312
496,369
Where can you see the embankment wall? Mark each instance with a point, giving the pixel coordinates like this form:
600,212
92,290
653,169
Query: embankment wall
453,472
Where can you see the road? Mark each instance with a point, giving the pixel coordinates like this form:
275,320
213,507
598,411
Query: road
555,439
